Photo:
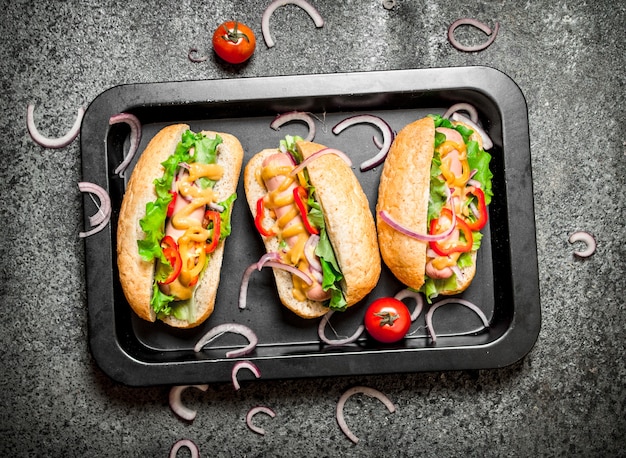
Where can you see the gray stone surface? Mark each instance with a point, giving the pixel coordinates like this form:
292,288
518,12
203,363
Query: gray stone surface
566,398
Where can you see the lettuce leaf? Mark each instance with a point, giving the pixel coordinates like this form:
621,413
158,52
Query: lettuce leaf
479,160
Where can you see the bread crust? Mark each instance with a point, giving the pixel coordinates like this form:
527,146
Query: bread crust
136,275
349,224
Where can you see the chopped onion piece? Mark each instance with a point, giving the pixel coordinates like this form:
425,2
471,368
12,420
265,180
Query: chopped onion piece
244,365
371,392
191,445
467,107
419,301
387,131
192,55
389,4
316,155
234,328
252,412
466,303
322,327
587,238
176,404
295,116
101,219
473,22
54,143
410,233
487,143
265,19
271,259
135,138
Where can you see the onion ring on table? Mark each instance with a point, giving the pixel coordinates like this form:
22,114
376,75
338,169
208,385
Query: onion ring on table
135,138
467,107
452,300
389,4
317,154
265,19
191,445
487,142
54,143
290,116
371,392
386,130
322,335
475,23
102,217
252,412
191,55
244,365
176,404
233,328
588,239
419,301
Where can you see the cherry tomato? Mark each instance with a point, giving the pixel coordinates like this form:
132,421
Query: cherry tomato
387,319
234,42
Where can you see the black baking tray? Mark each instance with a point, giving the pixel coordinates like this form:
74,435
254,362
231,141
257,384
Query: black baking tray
506,286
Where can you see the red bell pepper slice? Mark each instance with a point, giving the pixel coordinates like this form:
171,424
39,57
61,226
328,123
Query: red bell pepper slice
172,204
213,217
170,251
478,223
447,246
300,196
258,219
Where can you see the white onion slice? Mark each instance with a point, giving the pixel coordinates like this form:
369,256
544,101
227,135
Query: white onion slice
322,335
252,412
244,365
587,238
466,303
416,235
467,107
475,23
419,301
191,445
318,154
47,142
265,19
177,405
135,138
371,392
295,116
487,143
387,131
234,328
100,219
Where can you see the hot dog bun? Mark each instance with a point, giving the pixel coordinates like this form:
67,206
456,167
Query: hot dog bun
349,223
136,275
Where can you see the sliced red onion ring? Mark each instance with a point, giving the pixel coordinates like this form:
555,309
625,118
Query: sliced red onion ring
467,107
135,137
193,56
244,365
371,392
408,232
309,253
54,143
466,303
265,19
176,404
295,116
473,22
387,131
419,301
100,219
389,4
274,259
252,412
234,328
191,445
487,143
316,155
587,238
322,327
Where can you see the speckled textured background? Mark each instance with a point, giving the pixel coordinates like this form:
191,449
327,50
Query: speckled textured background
566,398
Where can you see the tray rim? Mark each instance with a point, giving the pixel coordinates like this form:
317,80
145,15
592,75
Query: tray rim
122,367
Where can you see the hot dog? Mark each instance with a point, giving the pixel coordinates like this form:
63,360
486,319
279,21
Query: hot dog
174,218
317,220
432,203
